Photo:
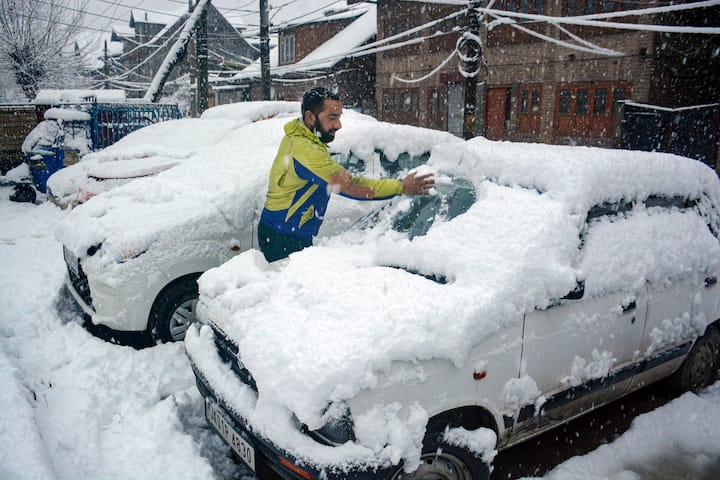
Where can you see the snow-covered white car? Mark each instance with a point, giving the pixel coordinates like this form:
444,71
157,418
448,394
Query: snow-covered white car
135,252
539,283
155,148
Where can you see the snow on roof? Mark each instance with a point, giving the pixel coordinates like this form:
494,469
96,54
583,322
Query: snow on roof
123,30
55,97
337,12
354,35
253,70
326,55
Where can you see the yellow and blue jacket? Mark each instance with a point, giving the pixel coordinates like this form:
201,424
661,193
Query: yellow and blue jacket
298,191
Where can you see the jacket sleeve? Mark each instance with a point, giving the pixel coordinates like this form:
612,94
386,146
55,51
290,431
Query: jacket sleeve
314,164
384,188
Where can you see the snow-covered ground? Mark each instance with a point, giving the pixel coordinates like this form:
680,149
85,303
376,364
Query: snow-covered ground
73,406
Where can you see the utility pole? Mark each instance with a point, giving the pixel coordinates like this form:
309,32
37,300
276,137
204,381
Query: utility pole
471,68
265,49
201,94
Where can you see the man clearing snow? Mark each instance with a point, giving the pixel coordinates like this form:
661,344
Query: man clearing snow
303,175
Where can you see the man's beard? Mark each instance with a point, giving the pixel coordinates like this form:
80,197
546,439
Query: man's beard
324,135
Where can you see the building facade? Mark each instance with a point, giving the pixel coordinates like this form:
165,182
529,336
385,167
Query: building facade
148,38
536,86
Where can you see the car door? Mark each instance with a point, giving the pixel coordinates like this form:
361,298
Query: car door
582,353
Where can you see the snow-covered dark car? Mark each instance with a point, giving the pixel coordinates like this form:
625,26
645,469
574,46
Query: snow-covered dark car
539,283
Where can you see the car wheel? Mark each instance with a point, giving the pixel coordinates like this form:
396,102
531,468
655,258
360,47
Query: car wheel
700,367
440,461
174,310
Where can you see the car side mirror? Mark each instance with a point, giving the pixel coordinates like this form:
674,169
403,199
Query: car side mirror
577,293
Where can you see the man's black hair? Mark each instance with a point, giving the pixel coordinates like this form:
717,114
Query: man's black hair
313,99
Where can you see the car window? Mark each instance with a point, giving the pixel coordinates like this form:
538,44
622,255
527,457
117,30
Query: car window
449,202
350,162
404,161
452,199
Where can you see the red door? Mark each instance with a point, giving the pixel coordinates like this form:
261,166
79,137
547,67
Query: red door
495,113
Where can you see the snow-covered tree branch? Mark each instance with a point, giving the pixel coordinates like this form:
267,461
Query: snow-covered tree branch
35,41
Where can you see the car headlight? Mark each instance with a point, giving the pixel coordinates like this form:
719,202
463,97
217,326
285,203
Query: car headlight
338,430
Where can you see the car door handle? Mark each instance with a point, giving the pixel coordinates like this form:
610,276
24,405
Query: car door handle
629,307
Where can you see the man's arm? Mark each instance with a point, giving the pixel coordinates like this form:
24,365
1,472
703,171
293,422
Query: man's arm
341,182
365,188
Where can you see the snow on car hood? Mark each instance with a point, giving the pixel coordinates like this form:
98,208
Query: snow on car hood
137,167
322,328
334,317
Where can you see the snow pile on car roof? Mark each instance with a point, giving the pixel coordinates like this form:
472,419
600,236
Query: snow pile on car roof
247,112
582,176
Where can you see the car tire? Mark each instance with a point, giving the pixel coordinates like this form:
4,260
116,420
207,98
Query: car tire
700,367
440,461
174,310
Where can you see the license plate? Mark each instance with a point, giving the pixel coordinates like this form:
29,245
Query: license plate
216,417
71,260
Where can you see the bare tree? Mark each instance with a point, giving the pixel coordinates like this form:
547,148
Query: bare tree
36,40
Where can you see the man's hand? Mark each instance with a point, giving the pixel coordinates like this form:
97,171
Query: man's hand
421,185
340,182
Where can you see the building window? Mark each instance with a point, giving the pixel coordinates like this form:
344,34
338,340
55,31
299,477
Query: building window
535,101
574,103
434,103
619,94
581,103
387,103
564,102
572,7
287,48
540,7
529,110
600,102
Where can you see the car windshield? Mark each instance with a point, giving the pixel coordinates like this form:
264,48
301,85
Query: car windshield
452,198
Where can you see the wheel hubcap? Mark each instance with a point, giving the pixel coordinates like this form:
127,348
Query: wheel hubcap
437,466
702,366
181,318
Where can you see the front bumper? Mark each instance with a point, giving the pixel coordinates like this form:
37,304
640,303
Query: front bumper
271,461
266,457
122,307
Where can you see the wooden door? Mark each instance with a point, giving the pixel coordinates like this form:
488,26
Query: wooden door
496,113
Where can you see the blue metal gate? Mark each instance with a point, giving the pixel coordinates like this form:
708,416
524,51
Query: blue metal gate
111,122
